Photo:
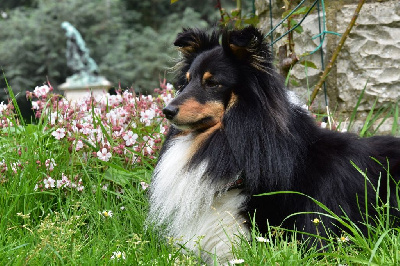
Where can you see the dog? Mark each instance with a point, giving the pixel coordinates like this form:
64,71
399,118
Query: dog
235,134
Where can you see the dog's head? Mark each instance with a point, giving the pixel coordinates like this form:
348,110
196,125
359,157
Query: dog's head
213,77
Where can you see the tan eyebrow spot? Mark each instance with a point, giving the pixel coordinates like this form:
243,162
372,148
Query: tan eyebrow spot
187,75
207,75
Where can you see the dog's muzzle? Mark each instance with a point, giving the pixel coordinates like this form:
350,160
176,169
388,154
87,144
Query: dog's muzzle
170,111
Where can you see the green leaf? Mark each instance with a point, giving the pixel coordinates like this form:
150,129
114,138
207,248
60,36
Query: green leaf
235,12
118,176
252,21
298,29
308,64
173,1
300,11
294,83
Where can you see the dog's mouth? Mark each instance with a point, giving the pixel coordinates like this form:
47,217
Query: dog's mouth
200,124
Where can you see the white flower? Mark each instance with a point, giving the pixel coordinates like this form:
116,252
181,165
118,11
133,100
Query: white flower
104,155
343,239
3,107
49,182
35,105
262,239
50,163
79,145
118,255
147,116
106,214
236,261
41,91
323,125
130,138
59,133
144,185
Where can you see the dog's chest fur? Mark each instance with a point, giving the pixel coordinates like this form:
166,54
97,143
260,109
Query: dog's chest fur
191,208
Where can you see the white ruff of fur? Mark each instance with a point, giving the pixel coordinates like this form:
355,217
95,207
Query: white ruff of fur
190,208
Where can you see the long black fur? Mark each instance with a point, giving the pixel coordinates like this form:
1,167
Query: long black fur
276,145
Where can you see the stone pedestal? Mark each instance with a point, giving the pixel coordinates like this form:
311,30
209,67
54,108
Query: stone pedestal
77,87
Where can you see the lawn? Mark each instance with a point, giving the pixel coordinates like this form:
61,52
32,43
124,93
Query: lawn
73,190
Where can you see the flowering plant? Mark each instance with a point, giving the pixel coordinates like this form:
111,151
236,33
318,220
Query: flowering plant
126,125
123,130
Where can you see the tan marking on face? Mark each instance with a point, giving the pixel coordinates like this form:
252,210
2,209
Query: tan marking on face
232,101
206,76
191,111
188,76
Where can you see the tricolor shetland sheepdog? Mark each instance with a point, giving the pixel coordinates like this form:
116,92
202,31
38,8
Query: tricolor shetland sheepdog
235,134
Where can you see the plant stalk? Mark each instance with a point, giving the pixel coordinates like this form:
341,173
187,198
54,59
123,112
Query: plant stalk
336,53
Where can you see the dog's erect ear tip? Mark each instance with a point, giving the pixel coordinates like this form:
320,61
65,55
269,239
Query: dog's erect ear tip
242,42
183,37
192,41
244,36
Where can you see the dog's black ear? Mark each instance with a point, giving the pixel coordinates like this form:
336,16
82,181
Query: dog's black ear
194,41
246,44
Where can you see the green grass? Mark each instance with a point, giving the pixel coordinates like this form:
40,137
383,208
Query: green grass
66,227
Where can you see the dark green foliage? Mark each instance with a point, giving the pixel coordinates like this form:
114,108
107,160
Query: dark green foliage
127,46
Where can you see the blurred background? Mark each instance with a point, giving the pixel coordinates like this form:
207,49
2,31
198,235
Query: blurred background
130,40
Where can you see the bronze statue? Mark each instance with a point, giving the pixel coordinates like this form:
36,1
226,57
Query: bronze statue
83,66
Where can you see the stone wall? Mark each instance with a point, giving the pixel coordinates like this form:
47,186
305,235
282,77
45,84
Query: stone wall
370,56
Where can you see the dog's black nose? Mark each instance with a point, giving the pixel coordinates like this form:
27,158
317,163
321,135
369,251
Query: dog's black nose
170,111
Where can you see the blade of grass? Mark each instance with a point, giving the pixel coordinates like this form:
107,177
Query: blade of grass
353,114
395,119
368,120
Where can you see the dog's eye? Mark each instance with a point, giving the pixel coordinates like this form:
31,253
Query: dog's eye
212,83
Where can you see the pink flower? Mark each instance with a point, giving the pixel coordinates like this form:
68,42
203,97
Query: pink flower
41,91
79,145
104,155
64,181
59,133
50,163
130,138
